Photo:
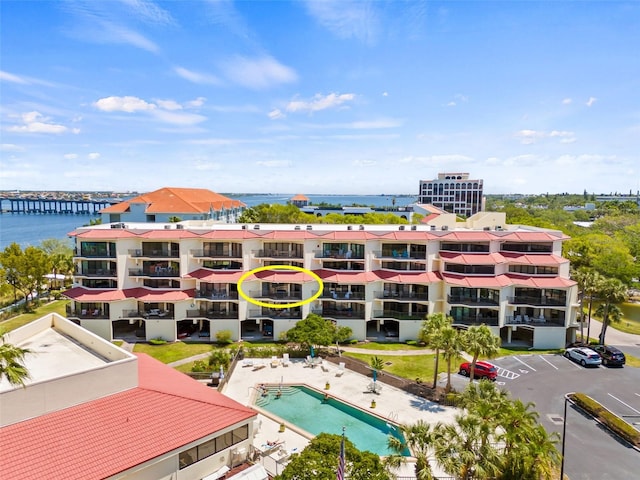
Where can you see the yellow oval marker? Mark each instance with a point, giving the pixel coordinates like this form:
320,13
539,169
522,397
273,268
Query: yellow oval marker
280,305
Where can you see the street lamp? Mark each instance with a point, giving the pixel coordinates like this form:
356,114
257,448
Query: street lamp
564,432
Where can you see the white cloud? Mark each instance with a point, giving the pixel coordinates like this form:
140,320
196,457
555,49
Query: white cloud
258,73
196,103
35,122
93,156
123,104
10,147
591,101
320,102
169,104
347,19
527,137
566,101
451,104
364,163
196,77
276,114
385,94
274,163
178,118
70,156
9,77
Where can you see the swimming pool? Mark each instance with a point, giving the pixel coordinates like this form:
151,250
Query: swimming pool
306,408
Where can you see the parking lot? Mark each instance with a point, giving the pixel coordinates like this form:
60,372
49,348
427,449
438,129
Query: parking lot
544,379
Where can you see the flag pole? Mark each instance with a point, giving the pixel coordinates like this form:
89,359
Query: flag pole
341,459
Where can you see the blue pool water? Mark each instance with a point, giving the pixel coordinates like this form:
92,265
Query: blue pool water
304,407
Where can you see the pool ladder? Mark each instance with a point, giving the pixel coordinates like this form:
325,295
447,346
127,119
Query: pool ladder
271,394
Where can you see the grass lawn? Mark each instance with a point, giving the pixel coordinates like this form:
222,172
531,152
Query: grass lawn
506,352
410,366
171,352
57,306
632,361
385,346
627,326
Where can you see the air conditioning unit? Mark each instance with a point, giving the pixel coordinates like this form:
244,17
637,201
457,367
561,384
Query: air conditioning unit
244,227
433,227
445,227
256,227
414,227
167,227
309,227
486,229
297,227
401,227
349,227
361,227
180,227
498,228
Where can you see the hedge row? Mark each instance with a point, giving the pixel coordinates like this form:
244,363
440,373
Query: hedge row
610,420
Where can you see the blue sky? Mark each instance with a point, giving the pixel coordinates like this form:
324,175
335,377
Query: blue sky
319,96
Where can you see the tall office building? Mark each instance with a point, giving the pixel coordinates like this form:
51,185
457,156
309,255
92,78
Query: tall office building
454,193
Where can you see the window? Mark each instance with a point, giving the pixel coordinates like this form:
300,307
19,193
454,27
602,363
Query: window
215,445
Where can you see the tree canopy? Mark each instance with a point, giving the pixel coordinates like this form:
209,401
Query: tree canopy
319,461
316,330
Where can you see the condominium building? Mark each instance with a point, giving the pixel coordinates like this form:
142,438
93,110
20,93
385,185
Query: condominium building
170,203
194,279
91,410
454,193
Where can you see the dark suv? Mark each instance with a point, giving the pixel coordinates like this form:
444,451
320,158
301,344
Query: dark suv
610,355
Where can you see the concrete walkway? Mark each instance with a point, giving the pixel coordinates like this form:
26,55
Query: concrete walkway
614,337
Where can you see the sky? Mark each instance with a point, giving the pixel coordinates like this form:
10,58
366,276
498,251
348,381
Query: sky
343,97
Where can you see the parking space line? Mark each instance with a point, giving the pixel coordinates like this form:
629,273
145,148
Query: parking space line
528,366
548,362
625,404
575,365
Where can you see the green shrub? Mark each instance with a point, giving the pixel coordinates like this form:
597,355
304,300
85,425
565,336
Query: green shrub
610,420
224,337
353,341
218,358
412,342
199,366
157,341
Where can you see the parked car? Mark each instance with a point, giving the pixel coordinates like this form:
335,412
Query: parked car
610,355
481,370
583,355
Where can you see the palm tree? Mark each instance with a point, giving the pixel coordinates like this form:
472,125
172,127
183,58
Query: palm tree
429,334
612,291
419,438
11,362
480,341
583,277
592,285
449,340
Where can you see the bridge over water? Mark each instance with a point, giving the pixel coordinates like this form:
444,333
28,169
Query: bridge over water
53,206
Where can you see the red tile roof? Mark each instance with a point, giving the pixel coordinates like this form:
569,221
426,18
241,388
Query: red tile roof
346,277
82,294
109,435
148,295
533,259
281,277
215,276
477,281
299,198
178,200
408,277
472,258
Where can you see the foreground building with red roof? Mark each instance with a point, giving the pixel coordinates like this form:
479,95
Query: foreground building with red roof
184,280
184,203
92,411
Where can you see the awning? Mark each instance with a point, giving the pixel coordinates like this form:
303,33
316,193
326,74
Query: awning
255,472
151,296
215,276
221,472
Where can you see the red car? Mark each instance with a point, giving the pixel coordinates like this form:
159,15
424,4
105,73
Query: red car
481,370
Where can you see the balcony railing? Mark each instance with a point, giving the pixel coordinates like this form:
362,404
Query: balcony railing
93,254
540,321
213,314
338,314
139,253
284,295
276,314
85,313
214,254
471,300
475,320
219,295
338,256
160,273
399,315
340,296
97,272
413,296
149,314
269,253
399,255
537,301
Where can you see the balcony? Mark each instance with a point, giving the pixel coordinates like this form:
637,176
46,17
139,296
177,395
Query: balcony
86,313
340,313
160,253
92,253
152,313
473,320
403,296
338,256
216,295
163,272
399,255
215,254
272,253
398,315
471,301
213,314
341,296
97,272
537,301
276,313
539,321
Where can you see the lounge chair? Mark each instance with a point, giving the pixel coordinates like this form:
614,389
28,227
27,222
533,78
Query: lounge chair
285,360
340,369
260,366
323,366
274,362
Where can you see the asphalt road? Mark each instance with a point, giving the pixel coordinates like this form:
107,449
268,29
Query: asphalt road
591,452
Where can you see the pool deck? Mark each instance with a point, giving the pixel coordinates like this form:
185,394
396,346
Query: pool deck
392,404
